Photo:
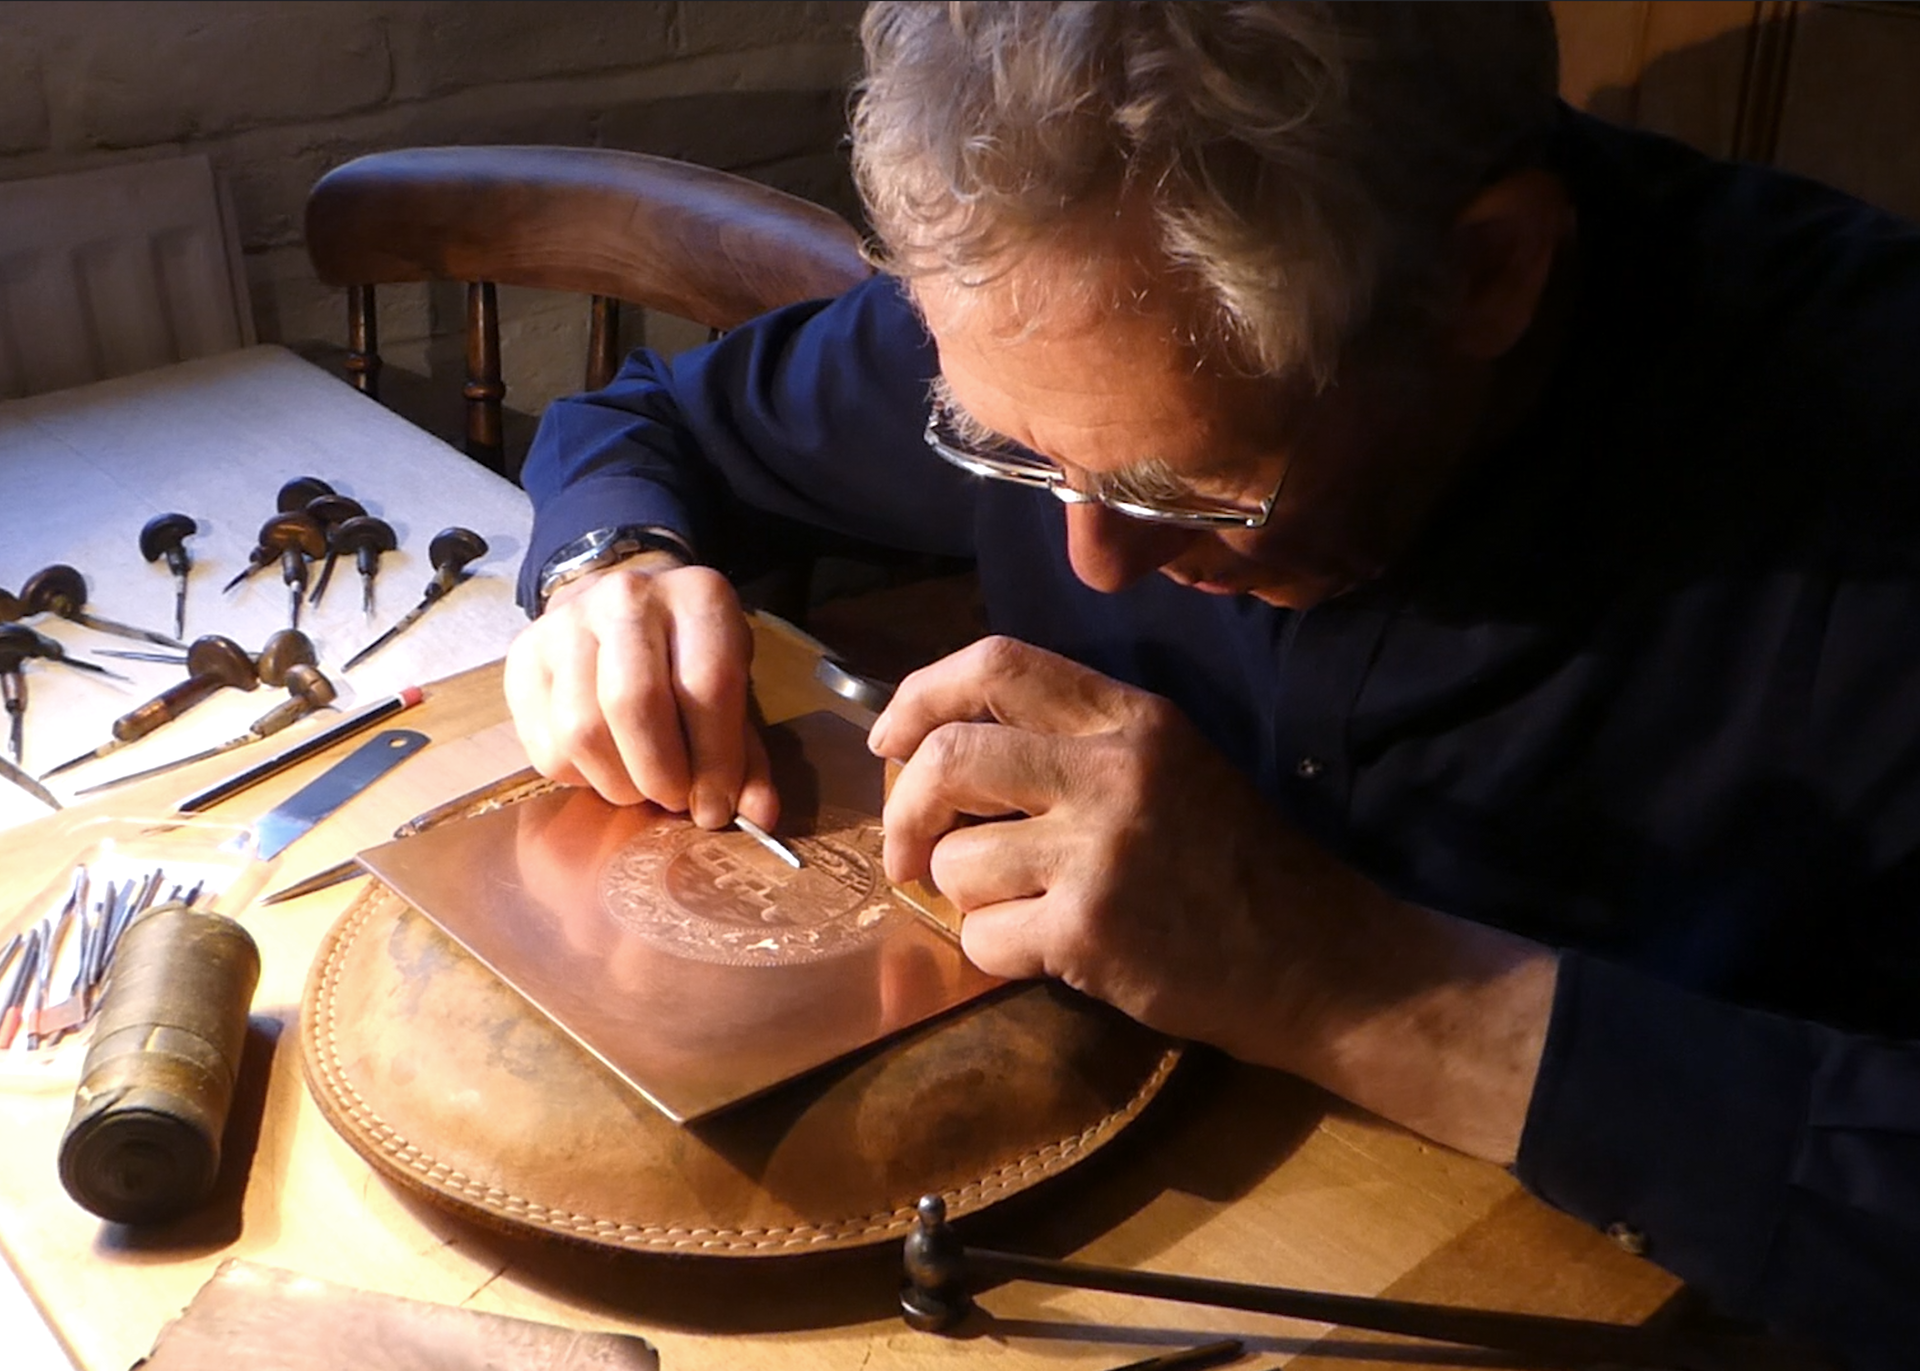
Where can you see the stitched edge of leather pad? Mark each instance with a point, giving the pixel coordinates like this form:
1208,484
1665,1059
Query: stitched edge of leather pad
351,1103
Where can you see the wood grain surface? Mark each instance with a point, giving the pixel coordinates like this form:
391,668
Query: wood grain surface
1235,1174
1243,1174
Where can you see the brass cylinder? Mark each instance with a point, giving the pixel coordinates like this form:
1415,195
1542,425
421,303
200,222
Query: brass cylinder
143,1144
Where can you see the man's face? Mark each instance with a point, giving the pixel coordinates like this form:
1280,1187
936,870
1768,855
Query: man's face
1037,357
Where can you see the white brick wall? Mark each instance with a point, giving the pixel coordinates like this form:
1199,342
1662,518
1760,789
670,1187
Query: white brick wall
276,92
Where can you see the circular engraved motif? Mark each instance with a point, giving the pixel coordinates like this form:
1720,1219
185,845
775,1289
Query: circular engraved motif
721,897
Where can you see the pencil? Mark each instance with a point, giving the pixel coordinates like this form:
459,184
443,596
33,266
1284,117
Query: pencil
299,752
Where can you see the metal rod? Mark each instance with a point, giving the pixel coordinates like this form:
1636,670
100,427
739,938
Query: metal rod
319,880
143,635
41,996
89,932
29,784
940,1271
132,655
405,622
163,767
1535,1335
14,944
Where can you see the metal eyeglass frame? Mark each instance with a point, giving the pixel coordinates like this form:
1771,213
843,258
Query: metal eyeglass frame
1044,475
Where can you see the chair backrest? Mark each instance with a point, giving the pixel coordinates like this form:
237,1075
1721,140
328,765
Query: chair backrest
618,226
108,272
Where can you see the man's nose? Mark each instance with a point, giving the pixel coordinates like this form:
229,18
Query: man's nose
1110,551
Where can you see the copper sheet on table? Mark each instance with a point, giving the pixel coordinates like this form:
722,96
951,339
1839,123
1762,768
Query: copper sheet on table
696,965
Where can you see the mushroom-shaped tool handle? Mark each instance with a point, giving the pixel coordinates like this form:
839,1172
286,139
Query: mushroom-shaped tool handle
62,590
296,532
284,650
297,493
367,538
17,643
450,552
331,511
58,589
213,663
296,538
165,535
308,689
328,510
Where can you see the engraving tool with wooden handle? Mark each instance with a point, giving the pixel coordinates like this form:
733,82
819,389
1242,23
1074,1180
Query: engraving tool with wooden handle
450,552
214,663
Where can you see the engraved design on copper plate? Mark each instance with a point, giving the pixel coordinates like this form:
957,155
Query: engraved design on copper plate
721,897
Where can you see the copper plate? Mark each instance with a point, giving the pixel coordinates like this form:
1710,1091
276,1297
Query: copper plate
695,965
452,1087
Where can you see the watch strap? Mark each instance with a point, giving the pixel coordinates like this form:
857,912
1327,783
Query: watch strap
601,548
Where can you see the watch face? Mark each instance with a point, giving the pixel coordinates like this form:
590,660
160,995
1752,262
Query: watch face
602,548
576,559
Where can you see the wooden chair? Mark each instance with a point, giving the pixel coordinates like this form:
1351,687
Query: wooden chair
617,226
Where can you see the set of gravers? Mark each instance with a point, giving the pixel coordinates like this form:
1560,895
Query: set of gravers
51,973
312,523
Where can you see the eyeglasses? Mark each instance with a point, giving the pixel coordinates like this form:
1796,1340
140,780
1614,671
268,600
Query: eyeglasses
1006,461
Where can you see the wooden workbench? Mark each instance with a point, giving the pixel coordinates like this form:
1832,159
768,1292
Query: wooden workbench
1237,1174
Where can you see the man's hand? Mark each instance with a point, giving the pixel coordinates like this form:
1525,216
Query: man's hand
634,682
1128,859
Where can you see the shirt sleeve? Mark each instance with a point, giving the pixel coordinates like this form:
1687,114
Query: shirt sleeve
812,413
1772,1163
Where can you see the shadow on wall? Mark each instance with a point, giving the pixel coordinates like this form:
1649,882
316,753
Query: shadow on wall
1824,91
1820,91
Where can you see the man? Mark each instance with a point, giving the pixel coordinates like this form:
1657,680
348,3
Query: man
1517,737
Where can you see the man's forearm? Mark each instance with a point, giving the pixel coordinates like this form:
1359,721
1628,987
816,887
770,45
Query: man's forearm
1440,1029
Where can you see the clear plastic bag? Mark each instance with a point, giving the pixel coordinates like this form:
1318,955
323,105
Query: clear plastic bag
121,868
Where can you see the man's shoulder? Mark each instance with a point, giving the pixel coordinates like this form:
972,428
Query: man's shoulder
1742,307
1759,256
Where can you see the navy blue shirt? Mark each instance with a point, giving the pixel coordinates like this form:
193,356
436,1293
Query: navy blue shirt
1647,690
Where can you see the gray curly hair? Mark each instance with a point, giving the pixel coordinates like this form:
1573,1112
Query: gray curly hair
1303,162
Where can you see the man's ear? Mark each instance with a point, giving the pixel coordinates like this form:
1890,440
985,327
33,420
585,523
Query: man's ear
1504,244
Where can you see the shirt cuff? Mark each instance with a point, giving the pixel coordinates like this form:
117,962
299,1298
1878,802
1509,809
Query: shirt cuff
1671,1120
598,502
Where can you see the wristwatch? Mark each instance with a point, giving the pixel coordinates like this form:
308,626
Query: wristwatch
600,549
